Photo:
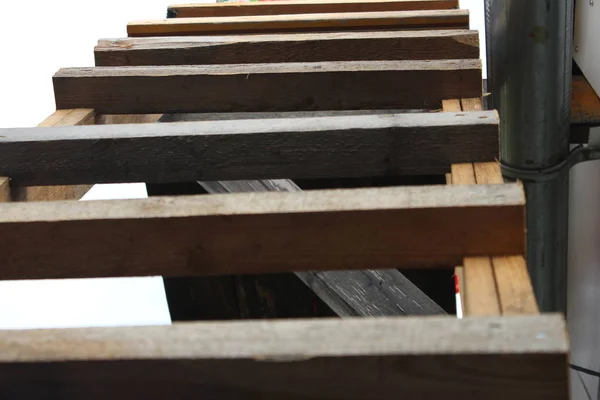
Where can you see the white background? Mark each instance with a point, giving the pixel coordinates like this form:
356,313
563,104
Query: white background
36,42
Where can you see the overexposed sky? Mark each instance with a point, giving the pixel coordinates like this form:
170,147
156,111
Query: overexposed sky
36,42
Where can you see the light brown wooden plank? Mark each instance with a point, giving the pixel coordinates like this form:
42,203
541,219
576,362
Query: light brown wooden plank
481,294
55,118
451,105
393,20
261,232
513,283
514,286
463,174
66,117
488,173
521,358
305,47
304,7
350,146
267,87
479,291
448,179
471,104
4,189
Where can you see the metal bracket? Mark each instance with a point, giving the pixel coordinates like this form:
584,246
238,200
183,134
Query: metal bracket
576,156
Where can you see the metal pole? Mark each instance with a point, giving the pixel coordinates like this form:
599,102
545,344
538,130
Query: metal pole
529,46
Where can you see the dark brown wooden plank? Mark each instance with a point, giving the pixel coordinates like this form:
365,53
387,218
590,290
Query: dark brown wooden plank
521,358
304,7
351,146
267,87
315,47
76,117
392,20
409,227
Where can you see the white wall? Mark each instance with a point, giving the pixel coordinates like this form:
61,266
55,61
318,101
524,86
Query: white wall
37,38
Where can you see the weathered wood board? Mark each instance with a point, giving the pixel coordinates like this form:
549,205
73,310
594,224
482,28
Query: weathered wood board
306,47
349,146
407,227
521,358
350,85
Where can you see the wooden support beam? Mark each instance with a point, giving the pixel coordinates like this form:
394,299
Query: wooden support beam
60,118
393,20
348,293
304,7
351,146
514,286
4,189
481,293
267,87
311,47
471,104
512,280
521,358
408,227
451,105
493,285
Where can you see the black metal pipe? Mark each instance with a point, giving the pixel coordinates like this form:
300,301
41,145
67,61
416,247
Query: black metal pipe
529,45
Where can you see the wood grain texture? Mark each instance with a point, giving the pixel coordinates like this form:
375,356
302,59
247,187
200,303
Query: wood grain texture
513,283
514,286
426,358
67,117
488,173
350,146
481,293
304,7
4,189
407,227
393,20
348,293
472,104
267,87
451,105
315,47
585,103
463,174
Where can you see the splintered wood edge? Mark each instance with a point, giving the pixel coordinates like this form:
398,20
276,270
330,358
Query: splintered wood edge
515,291
300,339
481,293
